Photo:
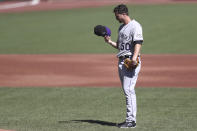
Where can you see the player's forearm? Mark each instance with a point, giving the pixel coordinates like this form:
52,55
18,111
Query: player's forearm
136,51
109,41
113,44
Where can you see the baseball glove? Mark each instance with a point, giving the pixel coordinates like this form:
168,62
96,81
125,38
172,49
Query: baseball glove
131,65
103,31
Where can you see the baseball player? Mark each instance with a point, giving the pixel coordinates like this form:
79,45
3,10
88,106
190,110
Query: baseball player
129,43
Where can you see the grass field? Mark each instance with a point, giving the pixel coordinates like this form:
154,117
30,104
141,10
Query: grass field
96,109
167,29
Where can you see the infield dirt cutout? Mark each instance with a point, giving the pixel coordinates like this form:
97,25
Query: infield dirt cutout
94,70
5,130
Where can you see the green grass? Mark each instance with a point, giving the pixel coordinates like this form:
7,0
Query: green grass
167,29
96,109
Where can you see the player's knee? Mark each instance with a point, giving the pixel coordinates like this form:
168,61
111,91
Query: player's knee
132,91
129,92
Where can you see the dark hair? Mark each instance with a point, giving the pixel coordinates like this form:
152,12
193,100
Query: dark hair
120,9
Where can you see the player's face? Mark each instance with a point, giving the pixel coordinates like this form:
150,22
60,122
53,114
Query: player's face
119,17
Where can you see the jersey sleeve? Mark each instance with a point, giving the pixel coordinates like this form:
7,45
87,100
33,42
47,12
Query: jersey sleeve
137,35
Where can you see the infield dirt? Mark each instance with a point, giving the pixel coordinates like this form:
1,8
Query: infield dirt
94,71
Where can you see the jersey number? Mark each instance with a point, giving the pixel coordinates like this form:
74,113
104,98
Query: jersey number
124,46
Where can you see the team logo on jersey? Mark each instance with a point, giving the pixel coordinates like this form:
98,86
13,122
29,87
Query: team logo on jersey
139,35
124,36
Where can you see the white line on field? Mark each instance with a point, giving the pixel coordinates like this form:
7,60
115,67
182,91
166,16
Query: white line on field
20,4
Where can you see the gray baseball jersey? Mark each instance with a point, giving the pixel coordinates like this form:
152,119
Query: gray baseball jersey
128,34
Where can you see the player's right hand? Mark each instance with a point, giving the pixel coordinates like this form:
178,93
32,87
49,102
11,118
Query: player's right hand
107,39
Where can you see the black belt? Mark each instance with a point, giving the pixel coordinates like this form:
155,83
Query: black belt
124,56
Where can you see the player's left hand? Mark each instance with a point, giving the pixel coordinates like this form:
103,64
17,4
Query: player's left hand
131,64
134,63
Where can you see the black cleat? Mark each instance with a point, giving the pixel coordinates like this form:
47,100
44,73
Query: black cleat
127,125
